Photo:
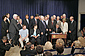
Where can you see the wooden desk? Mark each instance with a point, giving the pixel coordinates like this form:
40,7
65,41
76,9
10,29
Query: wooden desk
56,36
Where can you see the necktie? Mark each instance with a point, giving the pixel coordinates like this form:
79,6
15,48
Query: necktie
44,24
36,21
56,30
52,23
9,22
27,21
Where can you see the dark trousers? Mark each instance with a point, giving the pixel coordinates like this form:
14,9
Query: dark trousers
37,40
2,53
72,37
14,38
43,39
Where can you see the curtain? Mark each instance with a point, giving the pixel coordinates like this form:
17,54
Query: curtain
41,7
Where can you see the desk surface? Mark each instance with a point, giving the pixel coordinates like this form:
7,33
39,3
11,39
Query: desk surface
55,36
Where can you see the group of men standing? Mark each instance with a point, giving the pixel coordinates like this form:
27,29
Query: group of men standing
38,29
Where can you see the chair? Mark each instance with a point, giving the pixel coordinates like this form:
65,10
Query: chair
67,50
79,53
53,51
78,50
64,55
20,44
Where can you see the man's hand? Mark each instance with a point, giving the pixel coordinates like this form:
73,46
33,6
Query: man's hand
84,37
41,33
49,29
7,31
69,31
46,29
61,33
23,39
35,36
53,32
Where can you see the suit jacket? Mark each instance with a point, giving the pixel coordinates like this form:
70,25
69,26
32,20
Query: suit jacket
19,26
28,52
58,30
3,48
32,23
13,26
72,27
42,27
32,31
26,23
4,28
8,22
50,26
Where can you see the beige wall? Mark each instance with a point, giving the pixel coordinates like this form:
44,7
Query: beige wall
81,6
81,10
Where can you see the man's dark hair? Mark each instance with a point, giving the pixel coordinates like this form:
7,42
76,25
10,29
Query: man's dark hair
26,15
39,49
4,38
36,15
23,25
28,45
47,53
72,16
34,25
59,47
4,17
7,13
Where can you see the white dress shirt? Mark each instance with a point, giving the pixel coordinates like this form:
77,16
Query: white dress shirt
27,21
8,19
46,22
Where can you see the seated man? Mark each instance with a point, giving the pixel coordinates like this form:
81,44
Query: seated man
23,35
4,46
35,35
57,29
39,50
30,51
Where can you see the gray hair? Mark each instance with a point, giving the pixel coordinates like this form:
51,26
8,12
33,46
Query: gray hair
48,45
15,15
64,14
52,17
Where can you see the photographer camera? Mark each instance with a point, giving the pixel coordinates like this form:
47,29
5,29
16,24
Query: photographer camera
4,46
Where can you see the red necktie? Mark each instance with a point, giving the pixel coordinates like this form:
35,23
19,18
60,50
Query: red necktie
52,23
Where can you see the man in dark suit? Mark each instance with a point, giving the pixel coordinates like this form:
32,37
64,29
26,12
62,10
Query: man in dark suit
30,51
67,20
3,46
72,29
57,29
13,28
35,35
34,21
8,19
43,29
26,21
54,16
51,24
4,29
